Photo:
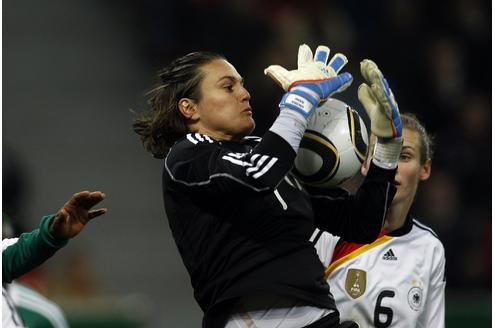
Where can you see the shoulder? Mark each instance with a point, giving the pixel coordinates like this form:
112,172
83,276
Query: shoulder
251,140
192,143
8,242
38,305
197,144
425,232
198,138
193,140
423,228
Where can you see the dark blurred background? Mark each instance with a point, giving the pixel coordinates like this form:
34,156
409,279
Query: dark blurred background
73,70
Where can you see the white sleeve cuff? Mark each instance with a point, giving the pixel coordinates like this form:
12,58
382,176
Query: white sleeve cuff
290,125
387,152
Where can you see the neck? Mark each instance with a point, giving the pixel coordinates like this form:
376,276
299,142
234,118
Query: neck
217,135
396,216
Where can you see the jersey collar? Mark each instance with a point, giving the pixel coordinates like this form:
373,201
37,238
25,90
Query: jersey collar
405,229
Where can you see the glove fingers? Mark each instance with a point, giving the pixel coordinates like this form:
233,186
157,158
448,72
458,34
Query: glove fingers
321,54
382,98
338,84
279,74
367,98
304,56
345,79
337,62
370,71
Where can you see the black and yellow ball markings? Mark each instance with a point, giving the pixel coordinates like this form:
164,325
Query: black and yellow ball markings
321,145
360,146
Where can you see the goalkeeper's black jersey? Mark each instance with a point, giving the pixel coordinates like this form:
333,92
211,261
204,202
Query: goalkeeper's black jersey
242,222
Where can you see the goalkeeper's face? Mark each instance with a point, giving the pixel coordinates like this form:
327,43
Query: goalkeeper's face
223,112
410,170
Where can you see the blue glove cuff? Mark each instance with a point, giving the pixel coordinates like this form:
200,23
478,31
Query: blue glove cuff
300,102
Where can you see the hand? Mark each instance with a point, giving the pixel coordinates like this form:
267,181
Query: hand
379,102
74,215
313,82
308,68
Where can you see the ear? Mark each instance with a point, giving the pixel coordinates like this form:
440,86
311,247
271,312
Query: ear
188,108
425,171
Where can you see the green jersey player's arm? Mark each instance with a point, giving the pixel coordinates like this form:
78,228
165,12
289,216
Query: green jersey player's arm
21,255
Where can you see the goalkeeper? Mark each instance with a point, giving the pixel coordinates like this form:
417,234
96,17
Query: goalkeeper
240,219
370,203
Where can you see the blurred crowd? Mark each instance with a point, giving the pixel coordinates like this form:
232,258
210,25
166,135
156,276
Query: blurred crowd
436,56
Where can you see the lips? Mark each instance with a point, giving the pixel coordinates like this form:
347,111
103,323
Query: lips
247,110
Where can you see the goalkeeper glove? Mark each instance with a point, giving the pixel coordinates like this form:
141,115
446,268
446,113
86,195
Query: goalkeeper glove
313,82
383,111
379,102
308,68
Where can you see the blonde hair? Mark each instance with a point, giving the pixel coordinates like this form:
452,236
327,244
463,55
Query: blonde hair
411,122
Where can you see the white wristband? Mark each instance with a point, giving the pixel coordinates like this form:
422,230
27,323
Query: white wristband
290,125
387,152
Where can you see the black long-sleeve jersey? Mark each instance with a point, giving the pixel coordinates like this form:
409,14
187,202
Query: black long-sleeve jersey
242,222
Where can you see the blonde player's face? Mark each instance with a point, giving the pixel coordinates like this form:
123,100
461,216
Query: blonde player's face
224,111
410,170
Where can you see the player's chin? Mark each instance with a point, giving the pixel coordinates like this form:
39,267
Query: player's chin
247,125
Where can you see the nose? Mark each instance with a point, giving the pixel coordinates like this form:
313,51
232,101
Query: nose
397,173
244,94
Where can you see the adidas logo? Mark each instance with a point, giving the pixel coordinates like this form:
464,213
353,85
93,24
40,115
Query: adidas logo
389,256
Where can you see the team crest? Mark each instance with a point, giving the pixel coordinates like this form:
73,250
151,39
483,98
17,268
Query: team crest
355,282
415,298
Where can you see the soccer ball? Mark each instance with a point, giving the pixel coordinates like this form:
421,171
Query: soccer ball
333,147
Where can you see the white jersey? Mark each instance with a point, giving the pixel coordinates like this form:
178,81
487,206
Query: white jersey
396,281
37,307
10,317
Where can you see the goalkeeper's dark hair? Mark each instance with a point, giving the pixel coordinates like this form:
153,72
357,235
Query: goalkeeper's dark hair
411,122
163,124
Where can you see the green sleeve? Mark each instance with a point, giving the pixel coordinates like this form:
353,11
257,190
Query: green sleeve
31,249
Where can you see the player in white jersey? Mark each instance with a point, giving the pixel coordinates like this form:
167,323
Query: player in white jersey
35,309
399,279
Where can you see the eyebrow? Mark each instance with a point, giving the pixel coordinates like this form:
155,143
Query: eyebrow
408,147
231,78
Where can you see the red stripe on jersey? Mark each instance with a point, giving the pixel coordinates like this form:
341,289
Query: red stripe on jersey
345,251
344,248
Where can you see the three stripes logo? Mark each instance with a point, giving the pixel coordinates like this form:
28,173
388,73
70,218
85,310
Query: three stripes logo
257,165
389,256
196,138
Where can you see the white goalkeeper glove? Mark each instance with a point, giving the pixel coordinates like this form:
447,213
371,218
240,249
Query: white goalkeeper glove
308,68
313,82
383,111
